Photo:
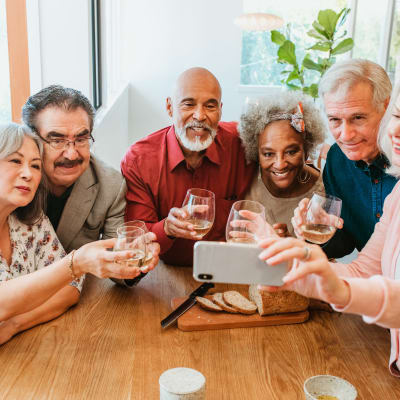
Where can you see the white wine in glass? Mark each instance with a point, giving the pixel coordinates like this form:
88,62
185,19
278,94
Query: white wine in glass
240,229
139,224
200,205
322,211
132,238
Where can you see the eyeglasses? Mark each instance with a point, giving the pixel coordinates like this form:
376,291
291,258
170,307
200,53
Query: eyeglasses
62,144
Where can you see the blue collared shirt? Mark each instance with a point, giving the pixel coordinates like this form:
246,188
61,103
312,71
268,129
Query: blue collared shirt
363,189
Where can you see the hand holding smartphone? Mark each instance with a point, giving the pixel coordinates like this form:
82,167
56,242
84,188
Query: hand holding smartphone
234,263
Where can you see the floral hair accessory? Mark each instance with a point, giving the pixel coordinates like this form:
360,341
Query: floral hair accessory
297,119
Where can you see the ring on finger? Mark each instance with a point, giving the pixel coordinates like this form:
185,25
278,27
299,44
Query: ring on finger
307,253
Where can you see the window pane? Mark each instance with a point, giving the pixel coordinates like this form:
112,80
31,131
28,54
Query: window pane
370,18
394,53
258,65
5,102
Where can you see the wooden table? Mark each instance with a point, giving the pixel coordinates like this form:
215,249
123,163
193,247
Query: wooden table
111,346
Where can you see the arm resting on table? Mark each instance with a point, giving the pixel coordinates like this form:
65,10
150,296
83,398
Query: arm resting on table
52,308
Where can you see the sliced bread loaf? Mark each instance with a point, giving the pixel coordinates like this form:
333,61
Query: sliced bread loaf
277,302
239,302
218,299
208,304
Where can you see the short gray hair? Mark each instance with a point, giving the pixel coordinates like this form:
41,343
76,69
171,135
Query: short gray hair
265,110
344,75
55,96
11,139
384,142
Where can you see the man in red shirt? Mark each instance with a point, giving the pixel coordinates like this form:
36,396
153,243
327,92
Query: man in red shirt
197,151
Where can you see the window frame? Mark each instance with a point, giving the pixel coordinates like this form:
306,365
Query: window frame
18,55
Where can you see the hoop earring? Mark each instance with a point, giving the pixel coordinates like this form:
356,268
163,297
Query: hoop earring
306,178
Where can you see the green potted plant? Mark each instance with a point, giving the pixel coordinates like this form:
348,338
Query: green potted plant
319,57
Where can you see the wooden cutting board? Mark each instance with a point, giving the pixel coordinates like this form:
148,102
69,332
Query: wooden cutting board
198,319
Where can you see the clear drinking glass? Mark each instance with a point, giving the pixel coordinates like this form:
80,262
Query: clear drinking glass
133,239
322,212
140,224
240,229
200,205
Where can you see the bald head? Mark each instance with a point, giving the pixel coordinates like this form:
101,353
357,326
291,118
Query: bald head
196,107
196,77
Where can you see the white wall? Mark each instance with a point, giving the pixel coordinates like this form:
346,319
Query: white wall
163,38
111,130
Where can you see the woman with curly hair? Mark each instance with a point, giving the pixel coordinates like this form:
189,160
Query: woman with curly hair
281,132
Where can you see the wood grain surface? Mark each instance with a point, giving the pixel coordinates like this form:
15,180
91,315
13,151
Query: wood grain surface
198,319
111,346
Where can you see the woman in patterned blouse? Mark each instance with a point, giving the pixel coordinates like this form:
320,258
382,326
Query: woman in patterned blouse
33,266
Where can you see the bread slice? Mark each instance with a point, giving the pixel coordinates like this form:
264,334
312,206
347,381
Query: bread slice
218,299
208,304
277,302
239,302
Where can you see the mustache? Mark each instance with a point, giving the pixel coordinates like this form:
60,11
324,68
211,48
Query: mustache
201,125
68,163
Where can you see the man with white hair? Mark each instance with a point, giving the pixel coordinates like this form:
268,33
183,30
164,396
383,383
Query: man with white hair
355,95
197,151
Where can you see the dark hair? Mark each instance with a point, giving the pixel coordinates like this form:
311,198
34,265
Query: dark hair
11,139
55,96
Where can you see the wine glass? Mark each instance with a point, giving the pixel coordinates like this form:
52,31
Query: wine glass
200,206
322,212
240,229
139,224
132,238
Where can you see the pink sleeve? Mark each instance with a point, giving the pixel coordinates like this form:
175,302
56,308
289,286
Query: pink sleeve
377,299
368,262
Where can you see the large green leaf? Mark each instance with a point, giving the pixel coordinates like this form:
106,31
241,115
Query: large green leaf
321,46
286,53
277,37
328,19
293,87
311,90
310,64
313,33
344,46
321,30
292,76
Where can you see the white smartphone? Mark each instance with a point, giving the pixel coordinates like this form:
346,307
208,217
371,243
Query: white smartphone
234,263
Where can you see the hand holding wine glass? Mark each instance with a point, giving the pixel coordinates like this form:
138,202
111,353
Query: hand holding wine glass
132,238
152,247
196,217
200,207
322,218
246,222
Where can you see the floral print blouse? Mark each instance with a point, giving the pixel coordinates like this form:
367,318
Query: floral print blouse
33,247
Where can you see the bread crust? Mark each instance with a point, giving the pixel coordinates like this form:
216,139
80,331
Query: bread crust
239,302
208,304
218,298
277,302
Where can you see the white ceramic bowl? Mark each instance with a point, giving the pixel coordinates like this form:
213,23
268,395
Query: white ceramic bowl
329,385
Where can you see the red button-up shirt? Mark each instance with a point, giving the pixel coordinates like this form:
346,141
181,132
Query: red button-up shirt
158,176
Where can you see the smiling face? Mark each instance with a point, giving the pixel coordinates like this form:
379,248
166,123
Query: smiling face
354,121
394,132
196,109
63,167
281,156
20,175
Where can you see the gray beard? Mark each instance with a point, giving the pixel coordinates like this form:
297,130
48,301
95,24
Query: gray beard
197,144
